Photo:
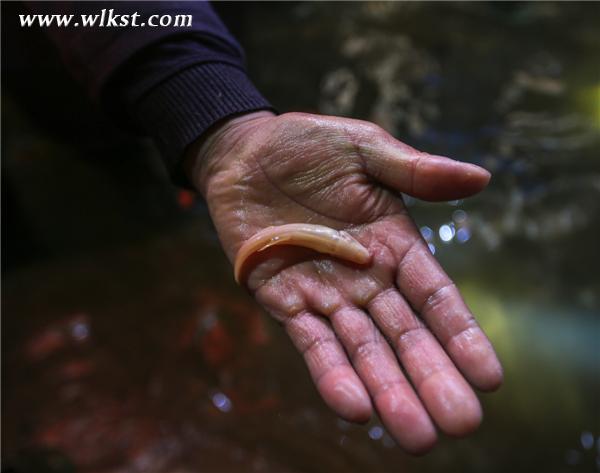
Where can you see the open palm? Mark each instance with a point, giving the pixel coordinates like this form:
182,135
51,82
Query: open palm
395,334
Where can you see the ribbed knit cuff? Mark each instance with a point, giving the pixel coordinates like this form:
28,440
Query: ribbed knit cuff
180,109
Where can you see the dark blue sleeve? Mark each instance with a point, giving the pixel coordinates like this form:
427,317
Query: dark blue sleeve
172,83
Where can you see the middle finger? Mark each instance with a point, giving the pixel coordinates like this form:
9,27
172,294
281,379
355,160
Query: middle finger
446,394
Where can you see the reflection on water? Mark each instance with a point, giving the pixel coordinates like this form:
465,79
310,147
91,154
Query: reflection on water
147,358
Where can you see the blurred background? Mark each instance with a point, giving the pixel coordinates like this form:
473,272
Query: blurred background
126,345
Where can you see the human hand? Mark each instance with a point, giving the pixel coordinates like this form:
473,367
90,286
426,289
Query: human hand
395,334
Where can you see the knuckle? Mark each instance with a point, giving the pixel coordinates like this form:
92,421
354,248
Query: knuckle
470,328
389,385
316,344
438,296
410,338
373,129
365,349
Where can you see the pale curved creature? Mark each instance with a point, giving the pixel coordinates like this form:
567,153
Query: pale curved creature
320,238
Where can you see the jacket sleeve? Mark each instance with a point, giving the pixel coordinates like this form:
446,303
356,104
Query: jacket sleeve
171,83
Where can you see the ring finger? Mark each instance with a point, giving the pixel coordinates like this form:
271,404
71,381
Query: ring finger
395,400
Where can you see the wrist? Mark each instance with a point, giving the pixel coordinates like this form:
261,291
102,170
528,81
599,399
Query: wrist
205,156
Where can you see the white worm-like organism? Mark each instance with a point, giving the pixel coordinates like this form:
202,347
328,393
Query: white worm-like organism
316,237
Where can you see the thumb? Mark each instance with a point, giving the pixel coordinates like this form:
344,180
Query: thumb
419,174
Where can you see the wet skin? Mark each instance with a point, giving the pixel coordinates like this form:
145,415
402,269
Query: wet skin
394,335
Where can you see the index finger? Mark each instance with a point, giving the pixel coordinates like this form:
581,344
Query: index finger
434,296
